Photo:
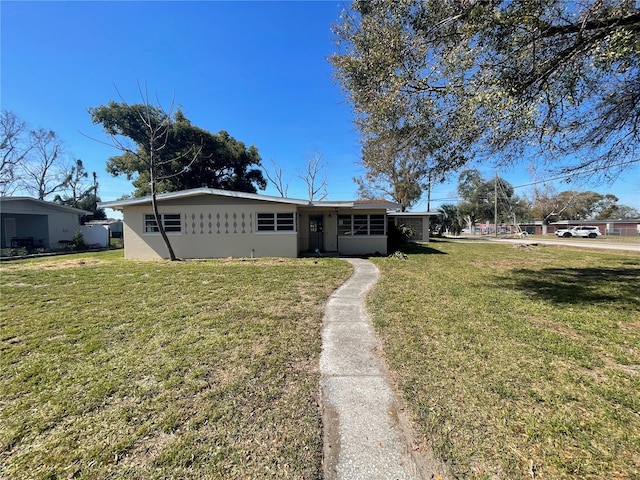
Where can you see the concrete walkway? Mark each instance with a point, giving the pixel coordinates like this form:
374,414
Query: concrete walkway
363,434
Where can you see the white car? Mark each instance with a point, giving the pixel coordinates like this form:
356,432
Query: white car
585,231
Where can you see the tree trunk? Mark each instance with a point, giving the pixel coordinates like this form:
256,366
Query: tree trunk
163,234
156,215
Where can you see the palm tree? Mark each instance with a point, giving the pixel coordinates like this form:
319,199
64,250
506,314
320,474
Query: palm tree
450,219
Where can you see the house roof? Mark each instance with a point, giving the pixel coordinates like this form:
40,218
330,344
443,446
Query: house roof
120,204
376,202
8,202
412,214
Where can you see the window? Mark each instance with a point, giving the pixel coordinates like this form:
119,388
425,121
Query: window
344,225
276,222
284,221
376,224
414,224
170,221
361,224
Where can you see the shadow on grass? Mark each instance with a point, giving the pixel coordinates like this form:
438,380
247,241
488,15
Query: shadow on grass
418,249
581,285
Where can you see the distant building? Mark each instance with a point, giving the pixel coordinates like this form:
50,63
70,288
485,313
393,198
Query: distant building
27,222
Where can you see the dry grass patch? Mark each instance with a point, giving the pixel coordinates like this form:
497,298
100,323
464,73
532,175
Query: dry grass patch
122,369
512,358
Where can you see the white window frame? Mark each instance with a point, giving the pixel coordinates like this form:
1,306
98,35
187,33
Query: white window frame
290,218
149,222
359,229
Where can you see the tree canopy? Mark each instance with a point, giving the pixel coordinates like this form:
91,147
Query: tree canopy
189,157
579,205
481,198
555,78
79,194
392,171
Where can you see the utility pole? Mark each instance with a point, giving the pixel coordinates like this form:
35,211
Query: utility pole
495,205
429,191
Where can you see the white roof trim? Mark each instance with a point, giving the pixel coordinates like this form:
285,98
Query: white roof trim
412,214
119,204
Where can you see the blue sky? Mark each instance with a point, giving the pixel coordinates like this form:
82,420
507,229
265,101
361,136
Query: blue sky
258,70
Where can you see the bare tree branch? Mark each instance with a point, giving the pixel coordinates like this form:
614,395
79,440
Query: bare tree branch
315,177
43,170
276,177
14,148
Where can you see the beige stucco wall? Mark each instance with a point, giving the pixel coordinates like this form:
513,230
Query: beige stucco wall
218,227
213,230
362,245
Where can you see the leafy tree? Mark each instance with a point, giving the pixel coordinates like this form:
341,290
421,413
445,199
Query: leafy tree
479,197
194,157
14,148
80,194
142,132
405,137
575,205
622,212
548,205
90,201
586,205
507,77
389,172
74,184
395,171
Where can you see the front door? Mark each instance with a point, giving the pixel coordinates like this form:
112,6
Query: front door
316,233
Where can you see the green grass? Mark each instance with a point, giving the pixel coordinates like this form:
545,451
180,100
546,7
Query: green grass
511,357
199,369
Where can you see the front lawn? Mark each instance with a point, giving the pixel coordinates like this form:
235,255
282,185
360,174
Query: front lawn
517,362
198,369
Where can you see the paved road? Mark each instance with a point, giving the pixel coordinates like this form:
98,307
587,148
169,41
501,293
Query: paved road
627,247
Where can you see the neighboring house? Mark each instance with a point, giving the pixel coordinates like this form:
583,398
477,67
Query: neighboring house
31,223
211,223
416,221
625,228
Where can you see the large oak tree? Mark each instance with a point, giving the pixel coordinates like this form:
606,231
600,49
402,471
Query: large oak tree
554,78
190,157
163,152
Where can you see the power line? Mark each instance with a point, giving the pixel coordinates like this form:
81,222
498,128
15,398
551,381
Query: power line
568,175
